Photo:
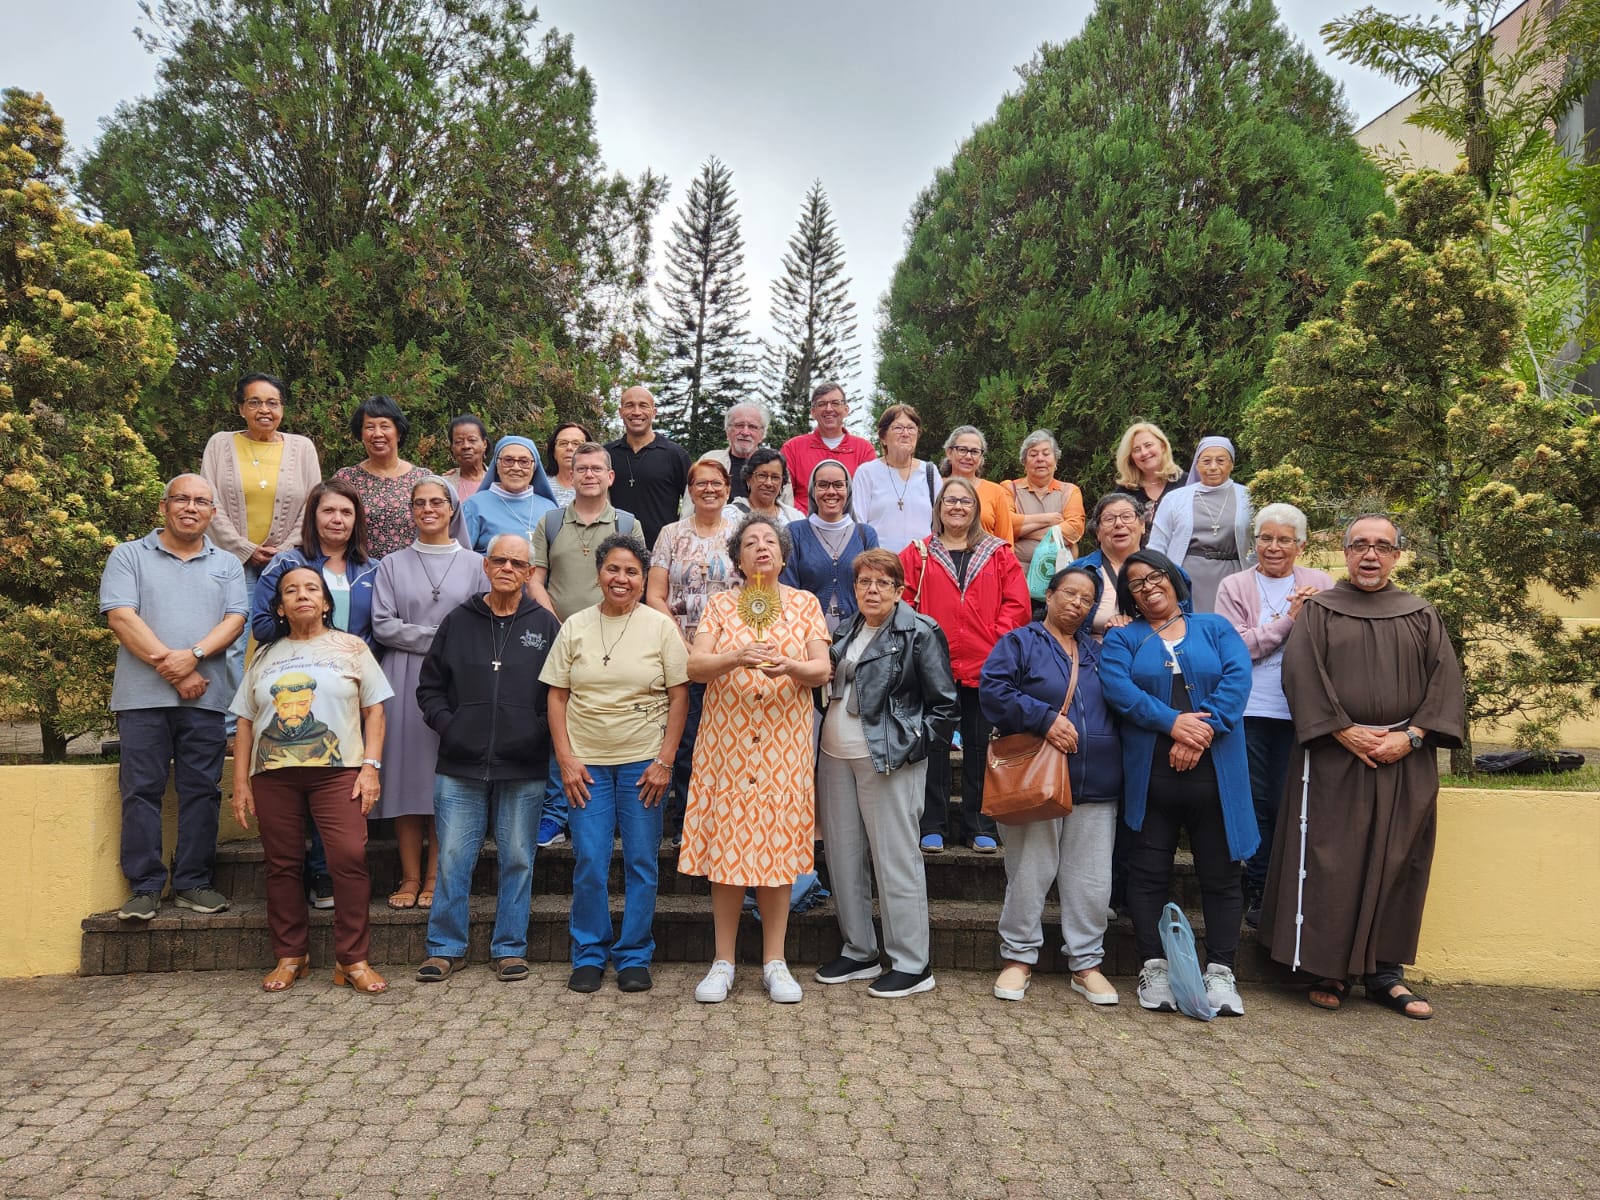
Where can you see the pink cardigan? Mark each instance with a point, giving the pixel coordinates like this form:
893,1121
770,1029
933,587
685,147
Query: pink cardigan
1239,603
298,472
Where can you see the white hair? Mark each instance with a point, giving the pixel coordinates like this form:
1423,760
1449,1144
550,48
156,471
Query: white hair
1282,514
1036,438
759,409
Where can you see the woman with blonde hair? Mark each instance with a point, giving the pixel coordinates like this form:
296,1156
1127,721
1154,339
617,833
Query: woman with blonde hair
1145,466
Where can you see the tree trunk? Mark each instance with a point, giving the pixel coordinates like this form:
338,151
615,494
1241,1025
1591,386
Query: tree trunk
55,742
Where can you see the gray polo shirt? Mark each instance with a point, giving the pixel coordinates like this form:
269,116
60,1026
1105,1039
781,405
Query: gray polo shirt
181,601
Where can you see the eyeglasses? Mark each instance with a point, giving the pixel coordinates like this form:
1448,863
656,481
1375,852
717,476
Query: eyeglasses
903,427
430,502
259,404
515,464
714,485
876,585
190,502
829,404
767,477
824,486
1145,582
500,560
1286,541
590,470
1361,548
976,451
747,426
957,502
1119,518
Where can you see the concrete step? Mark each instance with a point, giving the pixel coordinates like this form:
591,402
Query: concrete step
957,874
963,938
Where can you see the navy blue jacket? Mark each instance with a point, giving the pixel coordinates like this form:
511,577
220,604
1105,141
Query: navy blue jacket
1023,683
263,620
811,569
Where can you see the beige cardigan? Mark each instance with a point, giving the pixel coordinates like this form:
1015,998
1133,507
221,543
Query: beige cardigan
298,472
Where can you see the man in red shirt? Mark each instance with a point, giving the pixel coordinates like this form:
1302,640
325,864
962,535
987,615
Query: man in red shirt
829,439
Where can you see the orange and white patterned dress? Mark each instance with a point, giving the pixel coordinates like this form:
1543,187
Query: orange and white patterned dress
751,813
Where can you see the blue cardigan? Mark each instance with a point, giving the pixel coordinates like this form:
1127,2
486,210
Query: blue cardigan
811,568
1023,683
263,622
1216,667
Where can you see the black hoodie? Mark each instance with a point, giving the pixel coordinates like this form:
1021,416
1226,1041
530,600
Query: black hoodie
492,723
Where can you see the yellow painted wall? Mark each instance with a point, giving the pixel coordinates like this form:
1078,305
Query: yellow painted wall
62,828
1515,890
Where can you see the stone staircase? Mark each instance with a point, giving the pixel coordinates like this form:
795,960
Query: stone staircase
965,891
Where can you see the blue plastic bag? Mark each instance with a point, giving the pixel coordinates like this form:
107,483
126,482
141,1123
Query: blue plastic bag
1183,965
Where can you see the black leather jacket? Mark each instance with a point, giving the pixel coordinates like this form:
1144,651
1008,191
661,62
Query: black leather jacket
904,688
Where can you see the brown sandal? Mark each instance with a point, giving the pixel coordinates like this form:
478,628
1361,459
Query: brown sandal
405,896
425,896
286,974
360,976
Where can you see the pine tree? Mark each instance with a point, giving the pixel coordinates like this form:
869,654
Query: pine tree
80,338
813,319
1162,196
707,351
1406,402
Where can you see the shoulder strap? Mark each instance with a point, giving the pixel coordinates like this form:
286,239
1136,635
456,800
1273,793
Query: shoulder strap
922,575
1072,686
933,489
552,527
625,521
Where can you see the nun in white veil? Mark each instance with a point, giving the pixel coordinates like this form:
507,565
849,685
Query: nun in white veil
1205,526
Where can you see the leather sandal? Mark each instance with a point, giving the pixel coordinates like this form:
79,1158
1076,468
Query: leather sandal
1332,993
437,969
359,976
1400,1003
405,896
425,896
286,974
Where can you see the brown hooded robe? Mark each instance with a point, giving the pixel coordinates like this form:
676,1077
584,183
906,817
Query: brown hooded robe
1360,658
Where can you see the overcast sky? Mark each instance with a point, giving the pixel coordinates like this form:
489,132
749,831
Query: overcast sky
870,96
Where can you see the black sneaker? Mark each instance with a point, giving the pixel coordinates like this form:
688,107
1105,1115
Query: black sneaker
201,900
321,890
847,970
634,979
586,979
140,906
902,983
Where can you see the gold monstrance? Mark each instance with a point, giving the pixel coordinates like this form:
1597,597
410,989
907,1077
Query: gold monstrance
760,606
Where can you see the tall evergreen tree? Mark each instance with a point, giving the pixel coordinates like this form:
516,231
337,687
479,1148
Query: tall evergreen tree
1405,401
707,351
1163,195
80,338
813,318
400,196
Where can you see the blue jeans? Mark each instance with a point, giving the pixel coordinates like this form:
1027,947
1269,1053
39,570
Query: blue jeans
188,742
614,806
460,819
1268,744
555,796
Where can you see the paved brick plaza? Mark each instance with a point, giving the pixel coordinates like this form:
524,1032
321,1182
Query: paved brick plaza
198,1085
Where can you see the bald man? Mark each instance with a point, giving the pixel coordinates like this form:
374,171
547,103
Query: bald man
651,472
175,602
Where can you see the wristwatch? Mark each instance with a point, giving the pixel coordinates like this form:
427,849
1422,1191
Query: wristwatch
198,653
1415,739
375,763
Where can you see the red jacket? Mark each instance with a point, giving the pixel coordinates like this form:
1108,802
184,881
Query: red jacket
994,603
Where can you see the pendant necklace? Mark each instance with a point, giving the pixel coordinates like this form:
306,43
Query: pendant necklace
255,461
497,645
436,584
1273,611
1214,517
900,492
605,659
528,516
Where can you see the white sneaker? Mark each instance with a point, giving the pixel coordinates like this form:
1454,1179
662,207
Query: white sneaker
1222,992
1155,992
780,985
713,989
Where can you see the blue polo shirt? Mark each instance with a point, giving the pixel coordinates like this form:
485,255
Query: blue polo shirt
182,601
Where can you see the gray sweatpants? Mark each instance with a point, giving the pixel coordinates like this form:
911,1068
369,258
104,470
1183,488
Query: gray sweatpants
1074,853
870,826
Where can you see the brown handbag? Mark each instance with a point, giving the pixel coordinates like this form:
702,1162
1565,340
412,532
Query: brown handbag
1025,777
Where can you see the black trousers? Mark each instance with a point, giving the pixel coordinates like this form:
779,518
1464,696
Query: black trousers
1177,802
969,820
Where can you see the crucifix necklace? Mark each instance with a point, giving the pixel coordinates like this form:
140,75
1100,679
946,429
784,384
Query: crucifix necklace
605,659
433,583
900,492
1214,517
497,644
